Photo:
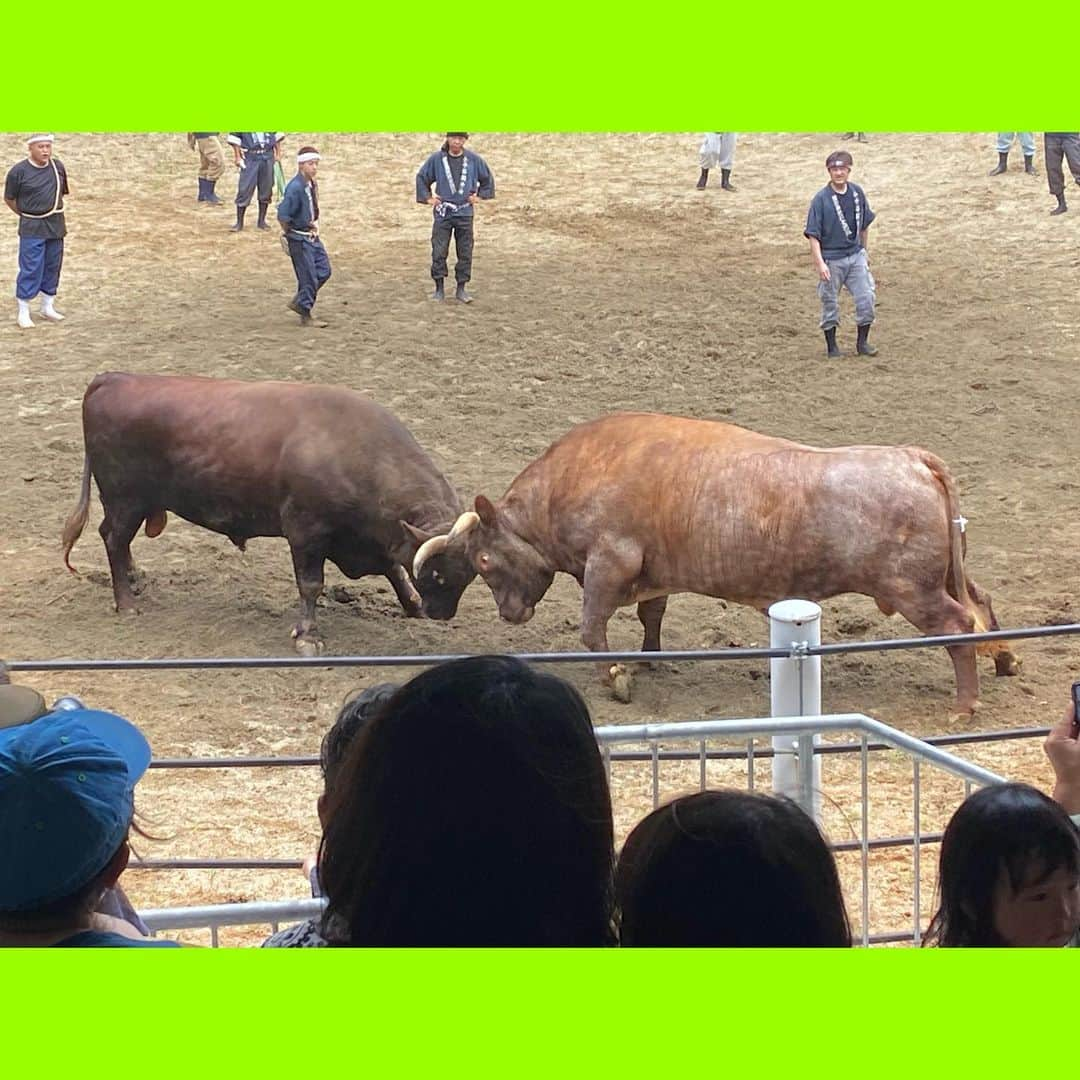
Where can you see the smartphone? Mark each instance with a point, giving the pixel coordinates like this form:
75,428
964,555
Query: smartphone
1076,709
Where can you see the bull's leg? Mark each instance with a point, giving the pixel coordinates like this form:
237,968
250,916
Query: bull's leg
1006,661
606,583
406,594
650,614
939,613
118,529
308,566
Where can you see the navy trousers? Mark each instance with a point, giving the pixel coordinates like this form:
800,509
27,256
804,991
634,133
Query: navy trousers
39,266
312,267
462,230
258,171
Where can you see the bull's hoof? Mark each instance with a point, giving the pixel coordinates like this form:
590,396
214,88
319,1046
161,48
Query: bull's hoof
306,643
1006,664
965,712
621,683
128,609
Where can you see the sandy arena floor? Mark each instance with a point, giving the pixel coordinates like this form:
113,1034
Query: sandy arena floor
603,281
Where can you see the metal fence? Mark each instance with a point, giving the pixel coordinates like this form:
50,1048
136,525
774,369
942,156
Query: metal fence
648,746
675,757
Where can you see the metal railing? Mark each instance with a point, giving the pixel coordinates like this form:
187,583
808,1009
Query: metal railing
700,732
804,729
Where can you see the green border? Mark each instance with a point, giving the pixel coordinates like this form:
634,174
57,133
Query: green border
558,66
510,1014
551,67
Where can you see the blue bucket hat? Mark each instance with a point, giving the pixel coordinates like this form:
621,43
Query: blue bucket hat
66,800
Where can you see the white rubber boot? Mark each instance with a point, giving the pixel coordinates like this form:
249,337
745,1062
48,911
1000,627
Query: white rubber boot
24,319
48,310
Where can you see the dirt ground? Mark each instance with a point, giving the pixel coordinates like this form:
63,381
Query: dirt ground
603,280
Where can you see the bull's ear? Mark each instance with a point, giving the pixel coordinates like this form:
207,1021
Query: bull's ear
485,510
416,534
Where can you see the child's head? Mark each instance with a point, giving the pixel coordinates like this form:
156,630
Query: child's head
729,868
1009,872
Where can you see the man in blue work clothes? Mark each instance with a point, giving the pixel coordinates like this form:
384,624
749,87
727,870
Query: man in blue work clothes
460,179
254,154
836,228
34,190
298,215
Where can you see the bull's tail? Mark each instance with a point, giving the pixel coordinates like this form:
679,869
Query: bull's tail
75,524
955,523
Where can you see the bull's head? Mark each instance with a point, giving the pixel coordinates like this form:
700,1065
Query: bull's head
441,571
513,569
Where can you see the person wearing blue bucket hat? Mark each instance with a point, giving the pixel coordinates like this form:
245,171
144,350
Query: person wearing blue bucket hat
67,784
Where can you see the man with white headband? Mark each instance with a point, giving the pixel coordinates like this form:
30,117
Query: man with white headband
298,215
460,178
35,190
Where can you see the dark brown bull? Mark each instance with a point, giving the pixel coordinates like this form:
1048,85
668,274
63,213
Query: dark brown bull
335,474
638,506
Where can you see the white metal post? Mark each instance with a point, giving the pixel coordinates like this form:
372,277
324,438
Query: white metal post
796,691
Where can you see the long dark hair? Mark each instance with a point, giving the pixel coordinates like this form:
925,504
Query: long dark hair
474,810
729,868
1010,828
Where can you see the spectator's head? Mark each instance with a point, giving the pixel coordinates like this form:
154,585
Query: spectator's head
473,811
1009,872
19,705
66,804
352,719
729,868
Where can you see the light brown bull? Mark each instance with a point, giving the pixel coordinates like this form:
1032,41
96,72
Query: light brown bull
637,506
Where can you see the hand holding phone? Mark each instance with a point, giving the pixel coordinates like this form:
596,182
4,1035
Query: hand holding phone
1062,747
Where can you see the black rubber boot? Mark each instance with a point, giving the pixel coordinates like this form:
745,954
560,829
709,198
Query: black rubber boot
211,198
1002,165
461,294
725,180
863,347
202,188
862,137
1029,165
703,179
830,340
1061,207
263,207
439,293
240,212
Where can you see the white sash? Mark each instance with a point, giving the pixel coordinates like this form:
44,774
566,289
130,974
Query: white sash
56,201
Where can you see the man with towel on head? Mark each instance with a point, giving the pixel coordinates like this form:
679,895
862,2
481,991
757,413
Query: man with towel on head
35,190
298,215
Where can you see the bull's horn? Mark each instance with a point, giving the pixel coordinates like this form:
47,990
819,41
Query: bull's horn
426,550
468,521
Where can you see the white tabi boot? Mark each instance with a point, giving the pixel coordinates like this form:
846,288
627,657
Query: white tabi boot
48,310
24,319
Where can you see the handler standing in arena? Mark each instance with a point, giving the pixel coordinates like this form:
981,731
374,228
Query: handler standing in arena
1059,146
254,154
35,190
211,163
836,228
717,151
460,179
298,215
